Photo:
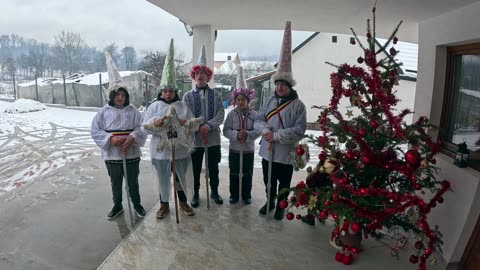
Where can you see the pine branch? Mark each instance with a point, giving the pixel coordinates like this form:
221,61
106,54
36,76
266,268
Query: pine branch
389,39
358,40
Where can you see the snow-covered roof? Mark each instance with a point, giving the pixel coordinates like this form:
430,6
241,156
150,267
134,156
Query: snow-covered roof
228,67
469,92
224,56
89,79
265,65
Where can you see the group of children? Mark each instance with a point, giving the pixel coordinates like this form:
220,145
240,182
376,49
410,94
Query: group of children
184,131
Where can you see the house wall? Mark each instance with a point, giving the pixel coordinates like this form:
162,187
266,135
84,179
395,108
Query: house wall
457,217
312,73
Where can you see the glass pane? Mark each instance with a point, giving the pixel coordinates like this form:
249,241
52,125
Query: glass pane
465,117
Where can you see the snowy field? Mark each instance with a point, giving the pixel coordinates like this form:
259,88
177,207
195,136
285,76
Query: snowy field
33,144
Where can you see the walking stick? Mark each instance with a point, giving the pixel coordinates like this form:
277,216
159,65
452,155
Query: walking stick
269,182
240,173
205,149
174,169
124,161
207,175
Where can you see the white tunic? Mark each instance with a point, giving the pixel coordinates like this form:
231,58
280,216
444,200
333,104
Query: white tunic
110,119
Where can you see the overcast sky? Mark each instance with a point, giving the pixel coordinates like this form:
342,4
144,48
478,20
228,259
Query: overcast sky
134,23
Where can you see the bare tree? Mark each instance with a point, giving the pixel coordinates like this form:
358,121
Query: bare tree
153,63
37,57
129,58
68,51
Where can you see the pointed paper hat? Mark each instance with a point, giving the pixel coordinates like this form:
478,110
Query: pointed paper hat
201,65
241,87
284,68
168,74
114,79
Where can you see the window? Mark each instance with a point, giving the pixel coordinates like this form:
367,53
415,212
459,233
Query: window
229,57
334,39
461,108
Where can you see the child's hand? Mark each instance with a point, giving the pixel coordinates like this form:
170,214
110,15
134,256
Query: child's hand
116,141
182,121
242,135
158,122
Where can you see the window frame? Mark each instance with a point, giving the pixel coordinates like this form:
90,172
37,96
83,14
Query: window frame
449,148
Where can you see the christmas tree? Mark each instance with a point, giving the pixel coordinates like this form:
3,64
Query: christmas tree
382,169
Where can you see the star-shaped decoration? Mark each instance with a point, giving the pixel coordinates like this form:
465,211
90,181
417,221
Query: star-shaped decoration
349,113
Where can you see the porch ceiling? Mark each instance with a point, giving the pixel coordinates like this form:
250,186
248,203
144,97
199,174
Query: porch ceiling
336,16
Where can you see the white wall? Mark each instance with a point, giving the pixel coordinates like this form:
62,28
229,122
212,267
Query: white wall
313,74
458,216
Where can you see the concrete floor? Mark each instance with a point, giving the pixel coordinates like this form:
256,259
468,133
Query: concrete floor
59,221
237,237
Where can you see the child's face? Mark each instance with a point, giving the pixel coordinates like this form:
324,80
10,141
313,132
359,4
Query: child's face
201,78
168,94
119,99
241,101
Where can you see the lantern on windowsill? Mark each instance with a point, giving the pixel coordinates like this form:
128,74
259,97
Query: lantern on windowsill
461,158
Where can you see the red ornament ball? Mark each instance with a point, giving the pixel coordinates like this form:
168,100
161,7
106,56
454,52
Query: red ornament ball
362,132
327,203
293,199
374,124
395,40
440,200
356,228
414,259
367,159
283,204
360,60
417,186
347,259
339,257
418,245
322,156
299,216
369,35
300,151
297,204
290,216
353,42
323,215
413,158
335,216
428,251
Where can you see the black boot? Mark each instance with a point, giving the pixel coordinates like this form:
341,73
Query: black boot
116,210
263,210
195,200
216,197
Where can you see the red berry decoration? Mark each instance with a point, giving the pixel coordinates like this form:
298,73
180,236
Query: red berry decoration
339,257
374,124
395,40
283,204
299,216
290,216
414,259
353,42
300,151
347,259
413,158
356,228
428,251
392,51
360,60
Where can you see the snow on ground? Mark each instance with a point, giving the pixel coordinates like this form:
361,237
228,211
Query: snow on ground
24,105
35,143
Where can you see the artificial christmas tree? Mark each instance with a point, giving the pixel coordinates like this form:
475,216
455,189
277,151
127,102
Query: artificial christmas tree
382,168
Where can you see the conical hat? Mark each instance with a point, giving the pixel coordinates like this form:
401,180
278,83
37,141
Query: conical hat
168,74
201,65
284,67
202,58
114,79
240,78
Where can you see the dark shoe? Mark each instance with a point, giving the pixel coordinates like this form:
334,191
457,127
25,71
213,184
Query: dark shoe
248,201
216,197
233,200
116,210
195,200
310,220
163,211
187,210
263,210
279,213
140,210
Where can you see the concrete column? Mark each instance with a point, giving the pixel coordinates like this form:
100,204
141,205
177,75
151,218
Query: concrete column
204,35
